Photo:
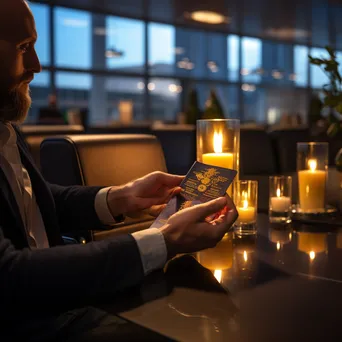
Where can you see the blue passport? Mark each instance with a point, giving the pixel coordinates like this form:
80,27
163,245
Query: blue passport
201,184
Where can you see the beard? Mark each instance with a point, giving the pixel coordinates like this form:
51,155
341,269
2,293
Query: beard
15,105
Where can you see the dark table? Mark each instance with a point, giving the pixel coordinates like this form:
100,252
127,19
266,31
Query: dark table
283,284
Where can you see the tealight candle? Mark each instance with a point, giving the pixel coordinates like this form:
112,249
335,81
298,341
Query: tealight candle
280,203
247,214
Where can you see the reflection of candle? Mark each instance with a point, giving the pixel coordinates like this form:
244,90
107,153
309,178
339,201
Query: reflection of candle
312,243
218,158
246,213
280,237
218,275
219,257
311,187
280,203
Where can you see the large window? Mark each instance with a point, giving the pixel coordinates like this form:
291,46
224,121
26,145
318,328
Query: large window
165,99
251,59
162,49
73,38
301,65
41,15
102,60
318,77
125,44
233,44
40,90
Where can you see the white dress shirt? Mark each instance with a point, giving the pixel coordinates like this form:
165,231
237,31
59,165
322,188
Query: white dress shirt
150,242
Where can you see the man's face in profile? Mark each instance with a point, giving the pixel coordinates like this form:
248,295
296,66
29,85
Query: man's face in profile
18,59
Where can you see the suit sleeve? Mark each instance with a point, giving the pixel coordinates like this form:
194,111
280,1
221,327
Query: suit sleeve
62,275
75,207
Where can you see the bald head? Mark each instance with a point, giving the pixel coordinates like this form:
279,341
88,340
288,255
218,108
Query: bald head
19,59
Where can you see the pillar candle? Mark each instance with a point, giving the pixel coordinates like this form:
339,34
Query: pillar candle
312,184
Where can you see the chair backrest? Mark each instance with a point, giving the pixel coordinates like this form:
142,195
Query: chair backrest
179,146
101,160
35,134
285,143
257,155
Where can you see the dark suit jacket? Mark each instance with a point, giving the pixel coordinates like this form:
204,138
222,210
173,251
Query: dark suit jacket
37,279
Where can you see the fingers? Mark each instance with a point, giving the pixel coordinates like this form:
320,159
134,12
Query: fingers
201,211
167,179
223,224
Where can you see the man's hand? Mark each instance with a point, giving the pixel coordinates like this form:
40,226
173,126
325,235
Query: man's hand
150,192
190,230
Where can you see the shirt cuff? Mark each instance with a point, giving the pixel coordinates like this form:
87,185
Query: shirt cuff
152,249
101,207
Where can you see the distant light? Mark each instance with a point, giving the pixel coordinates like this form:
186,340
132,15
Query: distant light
179,50
248,87
277,75
141,85
75,22
208,17
287,33
174,88
151,86
185,63
213,66
293,77
244,72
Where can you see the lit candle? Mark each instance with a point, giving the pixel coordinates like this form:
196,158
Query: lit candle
312,184
312,243
218,158
280,204
247,214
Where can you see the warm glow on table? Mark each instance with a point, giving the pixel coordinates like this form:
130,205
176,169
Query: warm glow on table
312,184
247,214
312,243
219,257
280,203
218,275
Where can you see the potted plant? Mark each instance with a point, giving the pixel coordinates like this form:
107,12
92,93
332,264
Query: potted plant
332,100
213,108
192,112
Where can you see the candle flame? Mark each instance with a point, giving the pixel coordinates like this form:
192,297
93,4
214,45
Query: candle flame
218,142
278,192
245,256
218,275
312,164
245,204
312,255
278,246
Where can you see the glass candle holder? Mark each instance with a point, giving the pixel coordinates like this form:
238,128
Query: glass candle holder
246,201
280,199
312,168
218,143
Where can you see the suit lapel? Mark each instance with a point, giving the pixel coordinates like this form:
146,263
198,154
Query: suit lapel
43,196
10,206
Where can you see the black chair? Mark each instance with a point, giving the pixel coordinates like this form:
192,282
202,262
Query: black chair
35,134
179,146
257,161
102,160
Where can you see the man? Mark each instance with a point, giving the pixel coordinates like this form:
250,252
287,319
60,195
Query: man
37,272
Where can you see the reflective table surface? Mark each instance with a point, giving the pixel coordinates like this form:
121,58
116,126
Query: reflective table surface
282,284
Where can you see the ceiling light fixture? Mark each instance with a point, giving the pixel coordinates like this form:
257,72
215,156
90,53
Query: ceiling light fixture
209,17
